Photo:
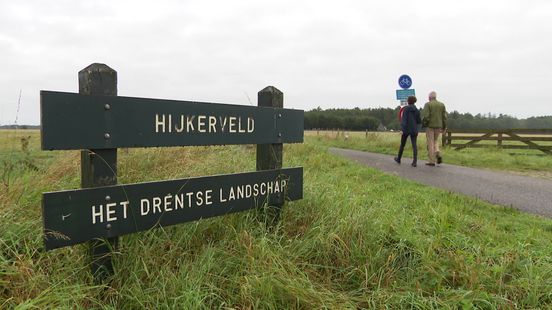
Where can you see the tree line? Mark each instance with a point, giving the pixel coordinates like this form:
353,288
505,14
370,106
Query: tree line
19,127
387,119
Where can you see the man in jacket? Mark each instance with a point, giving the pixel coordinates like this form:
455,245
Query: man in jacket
434,119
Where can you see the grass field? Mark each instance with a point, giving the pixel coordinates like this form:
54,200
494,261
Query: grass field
527,162
358,239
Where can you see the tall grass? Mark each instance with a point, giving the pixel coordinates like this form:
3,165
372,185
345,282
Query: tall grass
358,239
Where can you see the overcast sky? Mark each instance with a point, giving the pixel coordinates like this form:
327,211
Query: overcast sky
480,56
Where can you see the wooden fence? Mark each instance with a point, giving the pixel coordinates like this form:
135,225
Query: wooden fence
505,138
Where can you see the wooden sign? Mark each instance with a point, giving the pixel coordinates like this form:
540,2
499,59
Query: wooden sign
76,216
77,121
98,122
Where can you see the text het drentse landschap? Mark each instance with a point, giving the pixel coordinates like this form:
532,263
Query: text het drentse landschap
172,202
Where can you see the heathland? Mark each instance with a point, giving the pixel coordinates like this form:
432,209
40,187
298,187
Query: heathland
358,239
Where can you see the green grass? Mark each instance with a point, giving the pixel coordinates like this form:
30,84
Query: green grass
358,239
529,162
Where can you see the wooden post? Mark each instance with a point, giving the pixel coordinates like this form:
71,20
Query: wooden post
447,138
99,167
269,156
499,140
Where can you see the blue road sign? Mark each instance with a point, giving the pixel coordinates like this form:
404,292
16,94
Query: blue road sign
403,94
405,81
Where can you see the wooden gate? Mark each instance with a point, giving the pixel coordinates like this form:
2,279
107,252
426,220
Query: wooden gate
536,139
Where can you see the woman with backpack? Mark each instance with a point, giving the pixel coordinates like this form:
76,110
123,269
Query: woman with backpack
410,122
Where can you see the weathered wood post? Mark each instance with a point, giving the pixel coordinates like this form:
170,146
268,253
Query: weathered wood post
99,166
269,156
499,140
446,138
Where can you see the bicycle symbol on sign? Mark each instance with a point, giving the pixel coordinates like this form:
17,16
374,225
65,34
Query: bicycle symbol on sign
405,81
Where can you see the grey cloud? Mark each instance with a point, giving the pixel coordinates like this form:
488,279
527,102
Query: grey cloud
480,56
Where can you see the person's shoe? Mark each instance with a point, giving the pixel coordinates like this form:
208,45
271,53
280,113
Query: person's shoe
430,164
397,160
439,159
414,164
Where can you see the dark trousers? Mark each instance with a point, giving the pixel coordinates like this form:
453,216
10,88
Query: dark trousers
413,138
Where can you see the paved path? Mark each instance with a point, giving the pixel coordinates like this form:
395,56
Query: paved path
528,194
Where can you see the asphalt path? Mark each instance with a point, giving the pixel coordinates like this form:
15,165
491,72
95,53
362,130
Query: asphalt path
527,194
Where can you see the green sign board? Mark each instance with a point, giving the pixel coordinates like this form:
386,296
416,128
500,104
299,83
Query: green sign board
76,121
76,216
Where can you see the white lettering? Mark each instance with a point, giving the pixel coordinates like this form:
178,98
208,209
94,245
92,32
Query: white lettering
240,129
250,124
190,123
208,197
231,195
189,195
144,207
232,126
96,214
223,123
125,207
221,194
156,204
212,123
240,192
248,191
159,122
199,199
263,191
179,201
168,202
255,189
201,123
110,211
181,129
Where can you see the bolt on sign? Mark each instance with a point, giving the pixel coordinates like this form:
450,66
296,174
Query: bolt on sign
99,124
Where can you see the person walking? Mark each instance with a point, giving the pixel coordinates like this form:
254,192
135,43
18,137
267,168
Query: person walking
410,122
434,119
